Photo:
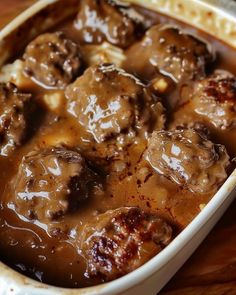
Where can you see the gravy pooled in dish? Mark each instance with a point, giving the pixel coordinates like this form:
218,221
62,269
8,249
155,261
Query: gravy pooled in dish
116,129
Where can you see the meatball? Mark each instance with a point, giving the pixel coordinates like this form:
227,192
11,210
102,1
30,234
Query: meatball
14,111
108,20
171,52
107,101
52,60
201,128
119,241
51,183
214,99
188,158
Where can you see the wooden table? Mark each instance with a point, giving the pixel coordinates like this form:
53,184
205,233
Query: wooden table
212,269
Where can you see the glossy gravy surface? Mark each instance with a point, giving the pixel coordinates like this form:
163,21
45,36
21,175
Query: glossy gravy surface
29,246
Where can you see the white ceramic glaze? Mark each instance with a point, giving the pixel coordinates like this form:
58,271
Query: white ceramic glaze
152,276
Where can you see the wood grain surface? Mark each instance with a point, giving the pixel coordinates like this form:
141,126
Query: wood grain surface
212,269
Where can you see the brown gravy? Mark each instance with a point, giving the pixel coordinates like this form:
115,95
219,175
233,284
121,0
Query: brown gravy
27,247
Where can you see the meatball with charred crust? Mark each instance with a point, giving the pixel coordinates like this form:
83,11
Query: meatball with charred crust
169,51
214,99
51,183
14,114
52,60
107,101
119,241
108,20
188,158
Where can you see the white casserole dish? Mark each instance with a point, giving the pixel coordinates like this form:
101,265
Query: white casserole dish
152,276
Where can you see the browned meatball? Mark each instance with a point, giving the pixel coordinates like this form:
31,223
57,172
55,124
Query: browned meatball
188,158
214,99
201,128
119,241
14,111
168,50
107,101
52,60
51,183
114,21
